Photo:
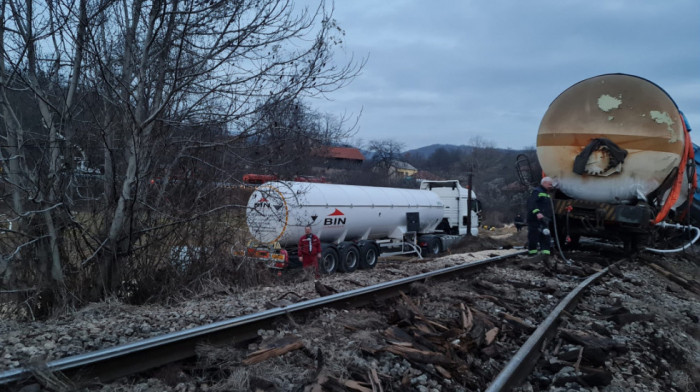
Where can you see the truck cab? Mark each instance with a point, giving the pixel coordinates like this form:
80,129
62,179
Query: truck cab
462,208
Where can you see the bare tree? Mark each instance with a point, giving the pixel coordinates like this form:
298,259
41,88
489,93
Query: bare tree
289,136
481,155
151,85
385,152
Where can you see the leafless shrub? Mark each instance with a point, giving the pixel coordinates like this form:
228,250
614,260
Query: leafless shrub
126,125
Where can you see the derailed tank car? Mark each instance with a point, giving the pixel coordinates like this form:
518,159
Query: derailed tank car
620,152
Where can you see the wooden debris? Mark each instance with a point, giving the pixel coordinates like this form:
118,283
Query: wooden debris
591,341
356,386
519,323
374,381
488,286
601,329
491,335
406,380
439,347
490,351
612,310
290,293
572,269
433,323
401,315
279,303
369,350
356,283
260,384
443,372
324,382
274,348
483,318
319,385
578,359
595,356
498,301
416,355
424,328
627,318
590,377
615,271
397,335
557,347
690,285
467,317
412,306
522,285
324,290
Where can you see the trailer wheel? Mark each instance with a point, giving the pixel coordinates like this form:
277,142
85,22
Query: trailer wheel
329,261
349,258
369,254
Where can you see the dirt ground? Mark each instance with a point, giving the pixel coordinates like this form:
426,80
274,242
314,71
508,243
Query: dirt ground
506,237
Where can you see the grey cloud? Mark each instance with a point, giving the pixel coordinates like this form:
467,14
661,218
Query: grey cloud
452,70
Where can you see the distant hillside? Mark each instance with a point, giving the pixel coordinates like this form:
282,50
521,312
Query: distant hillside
427,151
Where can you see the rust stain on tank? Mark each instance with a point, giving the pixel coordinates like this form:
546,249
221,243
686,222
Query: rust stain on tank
628,142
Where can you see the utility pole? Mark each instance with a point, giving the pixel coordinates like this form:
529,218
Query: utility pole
469,204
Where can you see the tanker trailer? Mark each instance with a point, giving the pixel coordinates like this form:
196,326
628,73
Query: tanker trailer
355,223
620,153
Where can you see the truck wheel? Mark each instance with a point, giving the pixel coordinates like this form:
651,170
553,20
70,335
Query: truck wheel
434,247
369,254
349,258
329,261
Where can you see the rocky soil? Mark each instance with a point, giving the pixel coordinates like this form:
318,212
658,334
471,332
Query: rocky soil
662,350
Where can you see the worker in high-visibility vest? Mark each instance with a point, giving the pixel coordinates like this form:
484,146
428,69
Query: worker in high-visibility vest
539,214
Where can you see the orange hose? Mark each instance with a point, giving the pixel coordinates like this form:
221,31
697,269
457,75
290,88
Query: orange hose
678,183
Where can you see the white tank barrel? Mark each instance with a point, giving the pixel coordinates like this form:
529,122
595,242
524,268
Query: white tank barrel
279,211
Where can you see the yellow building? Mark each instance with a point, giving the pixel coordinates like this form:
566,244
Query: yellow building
402,169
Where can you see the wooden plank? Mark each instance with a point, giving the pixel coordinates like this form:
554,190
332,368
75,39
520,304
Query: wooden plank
433,323
375,381
413,306
491,335
262,355
421,356
467,317
590,341
627,318
356,386
443,372
690,285
518,322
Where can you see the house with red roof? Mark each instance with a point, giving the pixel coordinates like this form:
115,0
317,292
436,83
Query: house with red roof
342,154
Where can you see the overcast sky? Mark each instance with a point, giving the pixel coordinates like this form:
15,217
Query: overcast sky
447,71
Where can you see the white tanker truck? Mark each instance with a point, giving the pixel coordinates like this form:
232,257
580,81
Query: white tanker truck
357,224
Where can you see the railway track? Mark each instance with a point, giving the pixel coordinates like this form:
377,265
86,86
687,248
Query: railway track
519,367
111,363
405,304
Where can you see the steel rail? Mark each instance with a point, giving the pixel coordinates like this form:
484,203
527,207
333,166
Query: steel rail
114,362
522,363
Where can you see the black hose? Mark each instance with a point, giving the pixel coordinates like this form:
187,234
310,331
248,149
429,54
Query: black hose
556,234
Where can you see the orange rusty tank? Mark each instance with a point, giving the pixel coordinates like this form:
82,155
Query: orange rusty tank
613,138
